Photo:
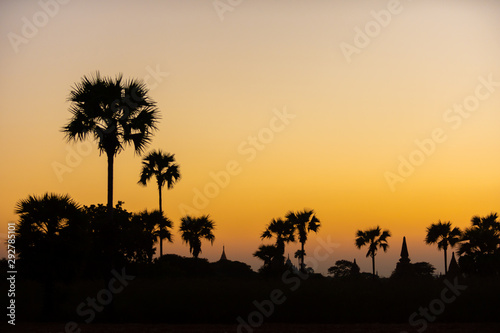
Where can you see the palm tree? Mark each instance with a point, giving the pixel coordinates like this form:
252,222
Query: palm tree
44,220
163,168
443,235
375,238
49,227
283,230
483,237
151,226
303,222
115,113
194,229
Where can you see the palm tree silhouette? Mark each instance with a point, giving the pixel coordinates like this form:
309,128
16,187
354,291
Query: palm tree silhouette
483,237
46,229
194,229
116,113
163,168
154,225
375,238
43,220
303,222
443,235
283,230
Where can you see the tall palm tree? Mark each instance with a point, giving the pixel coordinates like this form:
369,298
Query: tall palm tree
376,239
283,230
303,222
442,234
115,113
163,168
194,229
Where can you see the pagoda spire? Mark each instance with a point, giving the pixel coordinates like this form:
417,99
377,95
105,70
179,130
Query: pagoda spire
404,253
453,269
223,255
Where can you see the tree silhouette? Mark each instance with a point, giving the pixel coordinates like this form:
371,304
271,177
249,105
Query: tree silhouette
283,231
116,113
194,229
344,269
147,227
443,235
45,240
479,248
375,238
268,254
303,222
483,237
163,168
122,246
48,227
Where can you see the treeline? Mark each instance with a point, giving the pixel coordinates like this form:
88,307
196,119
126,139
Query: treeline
55,234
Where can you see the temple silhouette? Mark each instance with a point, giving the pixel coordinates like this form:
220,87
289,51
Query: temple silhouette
223,255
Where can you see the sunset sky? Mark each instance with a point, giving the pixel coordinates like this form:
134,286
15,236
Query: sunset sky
369,112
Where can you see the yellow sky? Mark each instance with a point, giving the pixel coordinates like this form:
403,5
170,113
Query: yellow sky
312,104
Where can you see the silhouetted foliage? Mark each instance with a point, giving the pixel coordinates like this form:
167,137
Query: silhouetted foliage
49,239
304,222
145,229
268,254
375,238
50,229
115,113
194,229
172,265
273,257
443,235
161,166
344,269
417,270
103,247
234,269
480,246
55,226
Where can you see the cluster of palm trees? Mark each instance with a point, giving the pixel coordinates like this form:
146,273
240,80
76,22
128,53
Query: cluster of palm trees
162,166
478,245
295,225
117,113
76,237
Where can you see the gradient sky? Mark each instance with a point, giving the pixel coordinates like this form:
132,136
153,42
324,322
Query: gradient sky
221,83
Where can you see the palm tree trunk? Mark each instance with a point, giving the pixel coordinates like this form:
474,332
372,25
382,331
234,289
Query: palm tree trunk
108,235
161,211
110,183
108,227
302,267
373,264
445,262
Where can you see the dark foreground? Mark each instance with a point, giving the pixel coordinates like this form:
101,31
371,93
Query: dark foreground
267,328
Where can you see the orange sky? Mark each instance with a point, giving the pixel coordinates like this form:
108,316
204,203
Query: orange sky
365,86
